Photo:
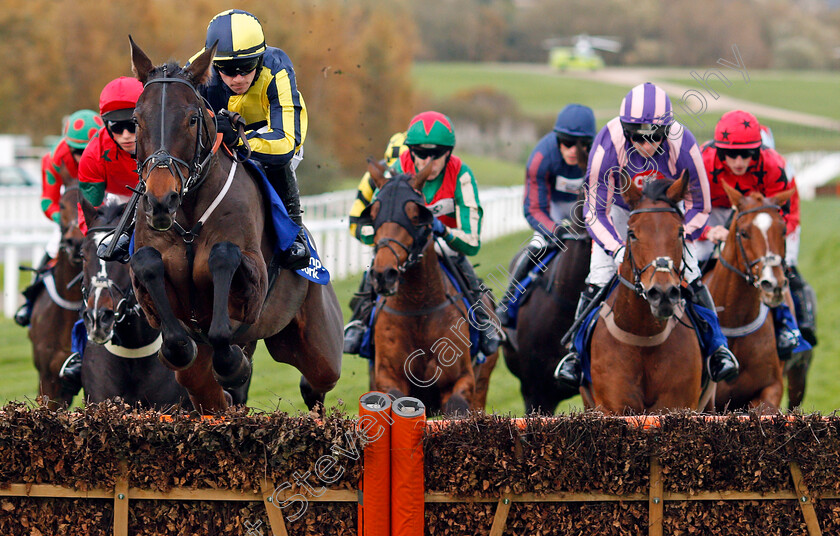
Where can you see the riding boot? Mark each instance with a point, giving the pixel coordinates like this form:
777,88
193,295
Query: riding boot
121,250
362,304
569,370
71,373
723,366
23,316
285,183
787,339
488,339
805,317
520,271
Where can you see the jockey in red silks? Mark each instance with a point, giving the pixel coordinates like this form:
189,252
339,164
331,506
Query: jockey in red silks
645,142
738,157
59,166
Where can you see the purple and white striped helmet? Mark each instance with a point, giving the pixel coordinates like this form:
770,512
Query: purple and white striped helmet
647,104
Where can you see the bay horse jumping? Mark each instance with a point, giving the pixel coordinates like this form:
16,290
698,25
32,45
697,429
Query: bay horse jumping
748,279
120,359
203,246
421,331
532,353
645,356
55,311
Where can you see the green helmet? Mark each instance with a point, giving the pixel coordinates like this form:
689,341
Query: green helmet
81,127
432,128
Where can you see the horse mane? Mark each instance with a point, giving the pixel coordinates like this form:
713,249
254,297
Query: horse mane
169,69
111,210
657,190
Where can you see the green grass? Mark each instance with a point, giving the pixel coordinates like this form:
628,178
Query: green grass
538,94
810,92
276,386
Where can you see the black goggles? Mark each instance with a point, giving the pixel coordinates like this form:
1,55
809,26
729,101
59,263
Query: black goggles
77,152
572,141
735,153
434,153
117,127
236,67
641,137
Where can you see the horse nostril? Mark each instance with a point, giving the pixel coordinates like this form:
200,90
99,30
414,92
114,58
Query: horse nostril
390,276
674,295
766,285
654,295
106,317
172,201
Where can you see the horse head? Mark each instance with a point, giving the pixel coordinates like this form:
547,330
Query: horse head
71,234
401,222
175,133
758,233
655,243
106,286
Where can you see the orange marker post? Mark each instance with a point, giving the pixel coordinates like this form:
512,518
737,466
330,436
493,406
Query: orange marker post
407,483
374,431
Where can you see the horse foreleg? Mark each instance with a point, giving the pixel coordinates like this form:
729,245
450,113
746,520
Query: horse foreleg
230,366
178,351
205,393
457,401
797,376
769,399
482,381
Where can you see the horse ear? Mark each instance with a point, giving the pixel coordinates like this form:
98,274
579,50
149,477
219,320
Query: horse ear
783,197
141,65
420,178
735,197
88,210
199,69
629,191
377,172
676,192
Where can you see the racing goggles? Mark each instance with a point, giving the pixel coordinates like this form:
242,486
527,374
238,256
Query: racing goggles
118,127
236,67
645,132
434,153
572,141
743,153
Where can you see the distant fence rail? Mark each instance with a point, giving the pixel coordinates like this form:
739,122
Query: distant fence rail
25,231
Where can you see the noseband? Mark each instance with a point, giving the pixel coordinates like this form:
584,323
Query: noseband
769,259
659,264
415,252
162,158
101,282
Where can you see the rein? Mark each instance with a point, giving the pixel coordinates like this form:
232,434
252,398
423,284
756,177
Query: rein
770,259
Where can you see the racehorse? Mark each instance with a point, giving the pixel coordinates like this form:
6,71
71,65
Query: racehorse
55,311
200,270
748,279
534,349
121,358
644,355
421,330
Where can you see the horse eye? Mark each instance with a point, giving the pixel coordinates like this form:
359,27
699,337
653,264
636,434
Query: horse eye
193,120
744,234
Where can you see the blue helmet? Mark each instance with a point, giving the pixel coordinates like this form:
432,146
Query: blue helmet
576,120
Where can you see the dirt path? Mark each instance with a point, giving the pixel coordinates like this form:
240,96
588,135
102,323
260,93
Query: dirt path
632,76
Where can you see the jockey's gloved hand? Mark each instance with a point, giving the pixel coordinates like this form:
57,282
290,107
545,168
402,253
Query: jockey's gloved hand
618,256
227,124
439,228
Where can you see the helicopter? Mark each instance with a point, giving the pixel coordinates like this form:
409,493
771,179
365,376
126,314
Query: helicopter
581,55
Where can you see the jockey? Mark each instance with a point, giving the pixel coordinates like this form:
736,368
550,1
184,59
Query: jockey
108,165
364,194
736,156
256,85
59,165
553,179
452,196
645,140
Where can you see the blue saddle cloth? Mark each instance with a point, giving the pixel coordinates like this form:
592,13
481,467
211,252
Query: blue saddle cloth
78,337
283,229
367,348
522,290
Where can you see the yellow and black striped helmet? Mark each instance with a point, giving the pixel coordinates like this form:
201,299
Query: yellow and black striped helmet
239,33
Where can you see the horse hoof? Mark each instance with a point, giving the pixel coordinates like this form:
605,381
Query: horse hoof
239,375
175,364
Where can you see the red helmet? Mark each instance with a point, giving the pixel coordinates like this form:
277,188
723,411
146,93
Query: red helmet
118,98
737,130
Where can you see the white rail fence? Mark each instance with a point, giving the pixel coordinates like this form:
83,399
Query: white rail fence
25,231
